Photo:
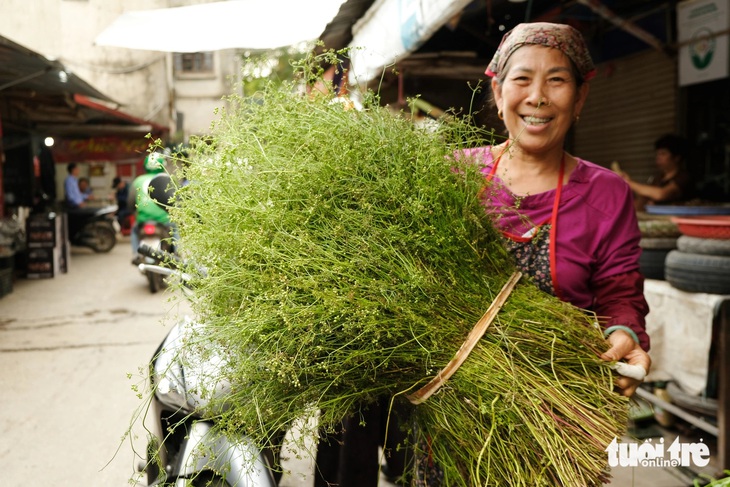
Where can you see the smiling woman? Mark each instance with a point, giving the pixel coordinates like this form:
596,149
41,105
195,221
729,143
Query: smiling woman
539,99
576,241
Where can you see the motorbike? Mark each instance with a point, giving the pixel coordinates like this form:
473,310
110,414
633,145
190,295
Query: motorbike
184,448
93,227
157,236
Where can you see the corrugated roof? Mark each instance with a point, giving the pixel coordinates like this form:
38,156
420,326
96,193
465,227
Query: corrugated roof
24,70
338,33
41,95
483,22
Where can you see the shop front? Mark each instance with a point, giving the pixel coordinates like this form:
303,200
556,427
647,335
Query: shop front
438,54
662,68
48,118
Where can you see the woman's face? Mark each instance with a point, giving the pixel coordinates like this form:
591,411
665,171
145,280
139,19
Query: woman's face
539,98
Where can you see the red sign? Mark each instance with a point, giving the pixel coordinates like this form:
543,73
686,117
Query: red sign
96,149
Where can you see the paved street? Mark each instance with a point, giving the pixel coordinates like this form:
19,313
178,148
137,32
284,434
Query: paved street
72,349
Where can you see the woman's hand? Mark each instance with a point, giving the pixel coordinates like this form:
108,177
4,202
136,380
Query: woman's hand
623,347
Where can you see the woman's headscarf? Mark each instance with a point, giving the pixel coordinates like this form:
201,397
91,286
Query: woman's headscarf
559,36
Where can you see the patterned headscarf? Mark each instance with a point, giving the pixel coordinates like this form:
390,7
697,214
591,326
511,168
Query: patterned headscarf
559,36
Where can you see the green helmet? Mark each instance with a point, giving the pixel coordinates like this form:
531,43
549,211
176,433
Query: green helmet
154,163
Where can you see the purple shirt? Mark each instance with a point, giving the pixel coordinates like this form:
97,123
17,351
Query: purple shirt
597,232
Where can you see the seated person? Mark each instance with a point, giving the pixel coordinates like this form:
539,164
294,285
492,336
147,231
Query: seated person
74,197
672,184
85,188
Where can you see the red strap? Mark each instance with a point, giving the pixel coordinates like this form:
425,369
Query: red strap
554,231
553,219
492,172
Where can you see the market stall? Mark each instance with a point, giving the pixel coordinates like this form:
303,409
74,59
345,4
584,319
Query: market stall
690,344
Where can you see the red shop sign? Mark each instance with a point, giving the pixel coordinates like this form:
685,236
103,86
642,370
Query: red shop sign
113,149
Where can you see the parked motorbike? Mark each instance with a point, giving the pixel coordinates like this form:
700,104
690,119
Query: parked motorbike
157,236
93,227
185,449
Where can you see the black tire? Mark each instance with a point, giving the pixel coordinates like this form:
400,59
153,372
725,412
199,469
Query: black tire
658,243
651,263
698,273
103,238
705,246
208,479
153,467
273,458
154,280
697,404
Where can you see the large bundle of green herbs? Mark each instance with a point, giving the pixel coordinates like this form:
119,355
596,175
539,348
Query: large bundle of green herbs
348,257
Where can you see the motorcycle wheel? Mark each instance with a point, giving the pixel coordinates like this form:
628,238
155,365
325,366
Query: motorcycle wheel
152,468
155,281
104,238
209,479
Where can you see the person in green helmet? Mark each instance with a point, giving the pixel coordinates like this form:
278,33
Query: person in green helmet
148,196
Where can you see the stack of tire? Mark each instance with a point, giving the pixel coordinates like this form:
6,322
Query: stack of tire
701,263
658,238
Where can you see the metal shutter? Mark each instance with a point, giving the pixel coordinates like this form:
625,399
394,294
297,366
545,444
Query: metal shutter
632,101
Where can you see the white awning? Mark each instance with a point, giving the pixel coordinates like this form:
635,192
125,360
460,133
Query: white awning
392,28
245,24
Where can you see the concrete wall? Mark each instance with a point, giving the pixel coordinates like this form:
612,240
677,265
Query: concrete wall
198,97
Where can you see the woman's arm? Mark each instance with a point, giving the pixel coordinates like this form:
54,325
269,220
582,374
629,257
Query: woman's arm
657,194
621,308
617,285
619,301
